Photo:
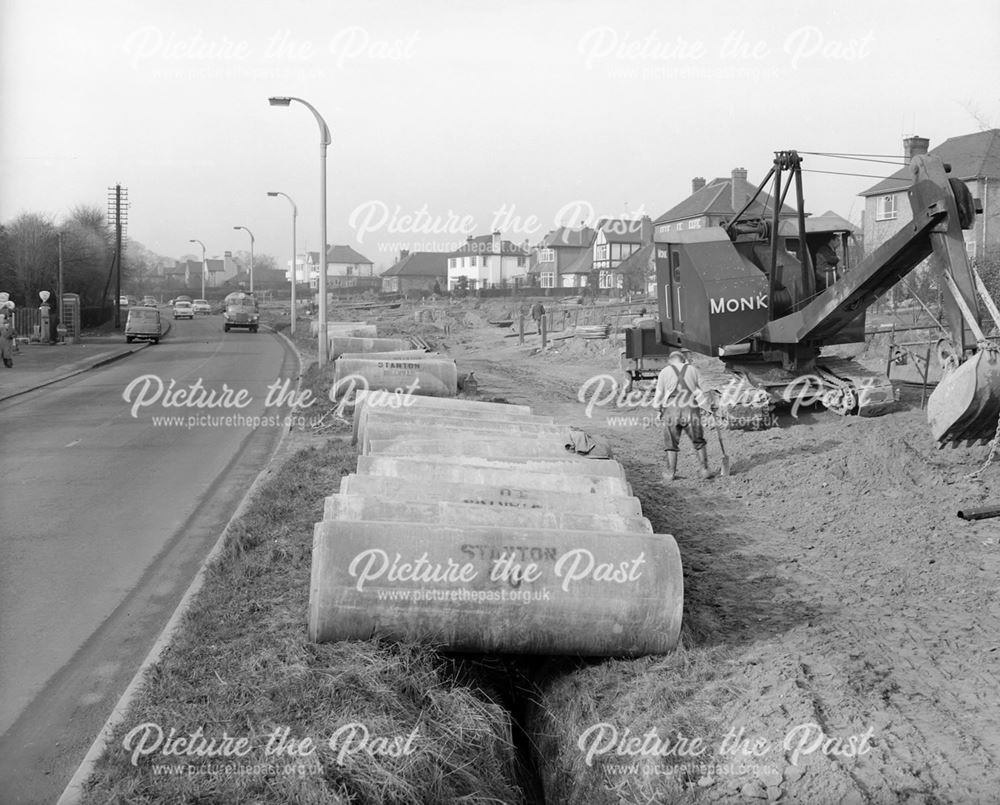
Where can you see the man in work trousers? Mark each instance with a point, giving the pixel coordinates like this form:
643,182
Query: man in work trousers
680,399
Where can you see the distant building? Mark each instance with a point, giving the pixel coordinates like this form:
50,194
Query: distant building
715,203
974,159
487,261
559,251
616,240
416,271
346,268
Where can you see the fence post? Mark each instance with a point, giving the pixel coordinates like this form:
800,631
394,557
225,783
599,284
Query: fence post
520,329
542,324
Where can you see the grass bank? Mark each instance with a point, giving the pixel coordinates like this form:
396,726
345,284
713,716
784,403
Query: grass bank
416,730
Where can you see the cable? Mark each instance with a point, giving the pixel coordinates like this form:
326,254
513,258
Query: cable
863,175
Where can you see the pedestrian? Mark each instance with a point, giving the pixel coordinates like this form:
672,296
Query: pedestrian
537,311
680,399
7,343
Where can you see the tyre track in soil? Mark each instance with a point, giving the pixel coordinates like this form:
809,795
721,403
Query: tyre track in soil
834,563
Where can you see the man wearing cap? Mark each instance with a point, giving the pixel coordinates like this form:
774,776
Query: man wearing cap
681,399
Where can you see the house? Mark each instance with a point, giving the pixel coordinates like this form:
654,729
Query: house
558,251
416,271
616,240
306,269
974,159
220,271
346,268
487,261
716,203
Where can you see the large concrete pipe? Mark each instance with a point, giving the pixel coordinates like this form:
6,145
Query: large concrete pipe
460,470
497,589
563,465
439,406
434,377
457,443
340,344
445,512
496,495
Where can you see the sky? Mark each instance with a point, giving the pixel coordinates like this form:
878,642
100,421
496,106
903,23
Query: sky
451,119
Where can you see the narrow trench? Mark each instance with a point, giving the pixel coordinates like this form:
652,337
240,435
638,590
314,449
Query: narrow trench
511,681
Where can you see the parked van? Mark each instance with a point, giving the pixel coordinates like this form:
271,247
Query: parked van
143,323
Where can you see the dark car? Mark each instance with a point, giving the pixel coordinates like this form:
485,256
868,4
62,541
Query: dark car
143,323
241,311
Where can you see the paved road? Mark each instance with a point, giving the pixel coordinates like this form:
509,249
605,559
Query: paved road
105,518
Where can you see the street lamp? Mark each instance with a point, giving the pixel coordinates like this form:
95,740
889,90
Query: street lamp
251,254
203,265
295,213
324,141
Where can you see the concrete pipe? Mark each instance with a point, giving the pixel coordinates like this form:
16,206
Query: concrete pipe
340,344
372,508
460,471
496,589
434,377
507,496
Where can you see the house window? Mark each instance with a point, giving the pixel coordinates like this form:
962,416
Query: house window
601,252
521,262
886,208
546,255
607,279
548,279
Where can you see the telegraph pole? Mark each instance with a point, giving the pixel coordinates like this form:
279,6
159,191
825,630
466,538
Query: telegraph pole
118,216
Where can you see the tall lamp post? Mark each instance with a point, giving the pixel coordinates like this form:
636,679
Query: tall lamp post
295,214
203,264
324,141
251,253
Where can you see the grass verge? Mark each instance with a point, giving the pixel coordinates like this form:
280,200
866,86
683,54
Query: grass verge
242,667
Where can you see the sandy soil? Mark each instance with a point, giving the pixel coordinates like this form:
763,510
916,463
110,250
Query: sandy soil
829,575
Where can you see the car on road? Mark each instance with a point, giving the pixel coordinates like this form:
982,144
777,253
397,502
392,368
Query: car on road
183,310
182,299
127,301
150,301
241,311
143,323
201,306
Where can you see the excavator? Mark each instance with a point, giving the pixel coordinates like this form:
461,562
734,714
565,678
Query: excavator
767,294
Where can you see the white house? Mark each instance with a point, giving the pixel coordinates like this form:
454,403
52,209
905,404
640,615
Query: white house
487,261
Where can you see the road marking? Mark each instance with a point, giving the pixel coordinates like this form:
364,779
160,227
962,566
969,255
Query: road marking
75,441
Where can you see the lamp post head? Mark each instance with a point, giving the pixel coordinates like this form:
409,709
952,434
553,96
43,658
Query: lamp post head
280,101
272,192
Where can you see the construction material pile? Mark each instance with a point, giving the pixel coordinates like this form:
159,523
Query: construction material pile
480,527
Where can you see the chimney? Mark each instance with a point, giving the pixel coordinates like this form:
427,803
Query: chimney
697,183
914,146
646,230
403,254
739,196
496,242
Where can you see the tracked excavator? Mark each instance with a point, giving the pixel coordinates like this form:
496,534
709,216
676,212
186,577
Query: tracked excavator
767,294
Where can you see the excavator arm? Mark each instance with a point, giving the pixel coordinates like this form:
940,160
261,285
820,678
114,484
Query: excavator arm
935,231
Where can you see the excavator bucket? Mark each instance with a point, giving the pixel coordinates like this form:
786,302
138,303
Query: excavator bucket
966,403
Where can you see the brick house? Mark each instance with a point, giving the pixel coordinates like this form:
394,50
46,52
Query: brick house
416,271
974,159
715,203
557,261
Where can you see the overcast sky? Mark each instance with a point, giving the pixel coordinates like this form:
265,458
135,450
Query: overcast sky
515,115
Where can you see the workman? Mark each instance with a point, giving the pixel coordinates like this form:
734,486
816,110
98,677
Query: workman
681,400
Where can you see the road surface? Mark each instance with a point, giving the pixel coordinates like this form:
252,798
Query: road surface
106,515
